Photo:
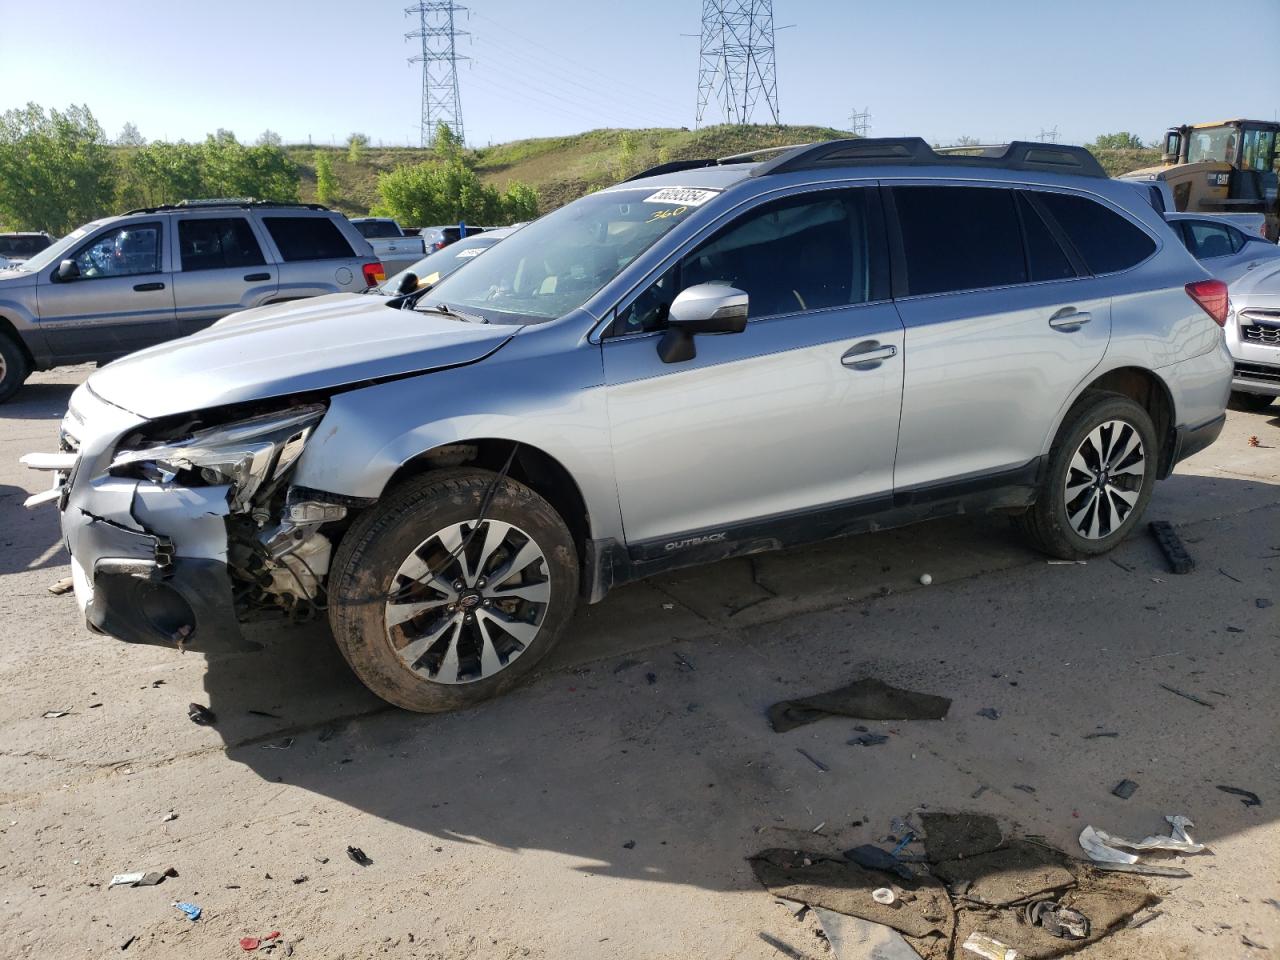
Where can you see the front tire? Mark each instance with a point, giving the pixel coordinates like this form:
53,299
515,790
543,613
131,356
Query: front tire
435,611
1253,402
1100,475
14,368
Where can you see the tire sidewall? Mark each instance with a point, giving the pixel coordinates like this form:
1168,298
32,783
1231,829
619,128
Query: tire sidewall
1053,504
16,368
379,542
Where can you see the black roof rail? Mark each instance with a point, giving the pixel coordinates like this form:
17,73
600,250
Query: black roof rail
914,151
675,166
238,202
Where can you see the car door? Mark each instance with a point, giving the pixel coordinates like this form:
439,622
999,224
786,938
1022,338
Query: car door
220,268
121,301
784,428
1000,328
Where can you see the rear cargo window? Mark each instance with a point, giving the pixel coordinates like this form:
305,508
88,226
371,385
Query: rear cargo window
23,246
210,244
308,238
1107,241
959,238
377,229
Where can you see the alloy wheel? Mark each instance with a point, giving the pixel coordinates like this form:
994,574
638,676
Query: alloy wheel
468,601
1104,479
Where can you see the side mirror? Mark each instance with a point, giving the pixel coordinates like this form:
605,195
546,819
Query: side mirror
703,308
68,270
408,284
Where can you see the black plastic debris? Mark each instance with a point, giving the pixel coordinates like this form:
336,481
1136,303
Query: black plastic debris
867,699
812,759
1262,603
1187,696
1247,797
1024,787
1171,546
991,713
201,715
1124,789
629,845
1057,920
868,740
359,856
876,858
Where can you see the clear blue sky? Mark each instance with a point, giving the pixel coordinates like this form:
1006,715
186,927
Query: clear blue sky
992,69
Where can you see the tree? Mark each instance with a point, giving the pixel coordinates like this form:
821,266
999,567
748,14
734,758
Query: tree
966,141
326,185
130,137
520,202
446,146
269,138
356,144
431,192
55,170
1117,141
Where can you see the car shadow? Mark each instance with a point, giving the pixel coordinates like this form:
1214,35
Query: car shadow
657,762
42,400
29,539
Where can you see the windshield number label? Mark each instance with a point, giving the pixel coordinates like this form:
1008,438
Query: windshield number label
666,214
684,196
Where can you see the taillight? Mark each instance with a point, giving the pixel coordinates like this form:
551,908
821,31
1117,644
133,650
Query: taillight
374,274
1211,295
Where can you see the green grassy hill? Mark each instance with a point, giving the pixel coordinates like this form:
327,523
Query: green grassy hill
564,168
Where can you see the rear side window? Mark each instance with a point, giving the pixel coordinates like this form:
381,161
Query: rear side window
211,244
1107,241
1045,259
1208,240
959,238
308,238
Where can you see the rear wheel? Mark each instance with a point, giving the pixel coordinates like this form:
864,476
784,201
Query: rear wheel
14,368
1253,402
1099,479
435,607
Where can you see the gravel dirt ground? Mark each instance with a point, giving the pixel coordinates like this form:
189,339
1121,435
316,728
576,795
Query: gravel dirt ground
606,808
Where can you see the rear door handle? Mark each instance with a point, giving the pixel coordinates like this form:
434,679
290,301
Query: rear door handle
1069,318
868,355
254,277
141,287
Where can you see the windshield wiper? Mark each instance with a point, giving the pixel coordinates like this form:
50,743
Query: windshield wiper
447,311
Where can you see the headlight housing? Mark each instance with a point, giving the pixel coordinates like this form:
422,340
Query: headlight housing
244,453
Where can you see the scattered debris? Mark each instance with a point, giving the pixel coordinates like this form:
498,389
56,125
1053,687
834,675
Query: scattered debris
1254,441
253,943
359,856
1141,920
883,896
1145,869
683,662
59,587
1099,734
867,699
190,909
264,713
979,792
1229,576
1067,563
1189,696
1057,920
169,817
1248,797
284,744
988,948
925,579
1171,546
954,836
812,759
868,740
651,678
301,878
991,713
141,878
852,938
1101,846
629,845
55,714
1123,566
875,858
1244,939
1124,789
201,715
1262,603
1024,787
128,943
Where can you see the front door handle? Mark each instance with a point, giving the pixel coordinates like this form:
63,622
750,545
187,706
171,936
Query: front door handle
255,277
868,355
1069,318
142,287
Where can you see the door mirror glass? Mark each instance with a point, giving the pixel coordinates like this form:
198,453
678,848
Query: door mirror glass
703,308
68,270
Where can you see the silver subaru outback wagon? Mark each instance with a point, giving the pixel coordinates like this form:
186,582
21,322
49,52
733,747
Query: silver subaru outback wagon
715,358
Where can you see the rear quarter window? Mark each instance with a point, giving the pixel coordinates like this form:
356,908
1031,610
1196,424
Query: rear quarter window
308,238
1105,240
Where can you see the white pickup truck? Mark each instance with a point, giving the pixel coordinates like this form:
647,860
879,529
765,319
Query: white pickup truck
395,248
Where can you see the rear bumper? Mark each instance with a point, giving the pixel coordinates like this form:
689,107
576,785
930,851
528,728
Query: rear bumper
1191,440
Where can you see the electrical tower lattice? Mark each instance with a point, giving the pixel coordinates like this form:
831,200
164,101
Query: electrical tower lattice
437,29
736,63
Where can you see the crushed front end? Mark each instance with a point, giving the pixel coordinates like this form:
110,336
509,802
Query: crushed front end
180,529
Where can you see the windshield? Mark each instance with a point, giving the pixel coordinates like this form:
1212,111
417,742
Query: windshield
434,267
54,253
558,262
1215,143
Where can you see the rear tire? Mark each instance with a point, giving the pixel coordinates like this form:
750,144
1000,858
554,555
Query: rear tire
1253,402
14,368
430,629
1098,480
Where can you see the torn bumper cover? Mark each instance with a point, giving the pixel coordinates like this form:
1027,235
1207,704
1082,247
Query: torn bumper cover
149,563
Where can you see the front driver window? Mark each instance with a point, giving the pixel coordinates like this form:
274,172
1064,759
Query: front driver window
808,252
123,252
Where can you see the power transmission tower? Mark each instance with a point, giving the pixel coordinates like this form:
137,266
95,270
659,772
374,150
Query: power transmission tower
860,122
735,59
1048,136
437,29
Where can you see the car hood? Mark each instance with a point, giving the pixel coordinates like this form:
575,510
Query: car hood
1259,287
13,274
333,341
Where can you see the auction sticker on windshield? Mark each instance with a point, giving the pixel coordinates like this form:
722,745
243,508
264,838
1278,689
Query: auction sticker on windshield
685,196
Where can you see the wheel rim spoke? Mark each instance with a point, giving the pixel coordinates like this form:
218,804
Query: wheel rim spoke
495,534
412,652
524,633
489,660
523,557
448,669
399,612
533,592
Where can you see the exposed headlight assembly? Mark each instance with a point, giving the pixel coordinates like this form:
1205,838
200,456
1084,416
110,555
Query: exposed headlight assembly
245,453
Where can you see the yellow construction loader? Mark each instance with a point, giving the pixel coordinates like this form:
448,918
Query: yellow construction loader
1228,167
